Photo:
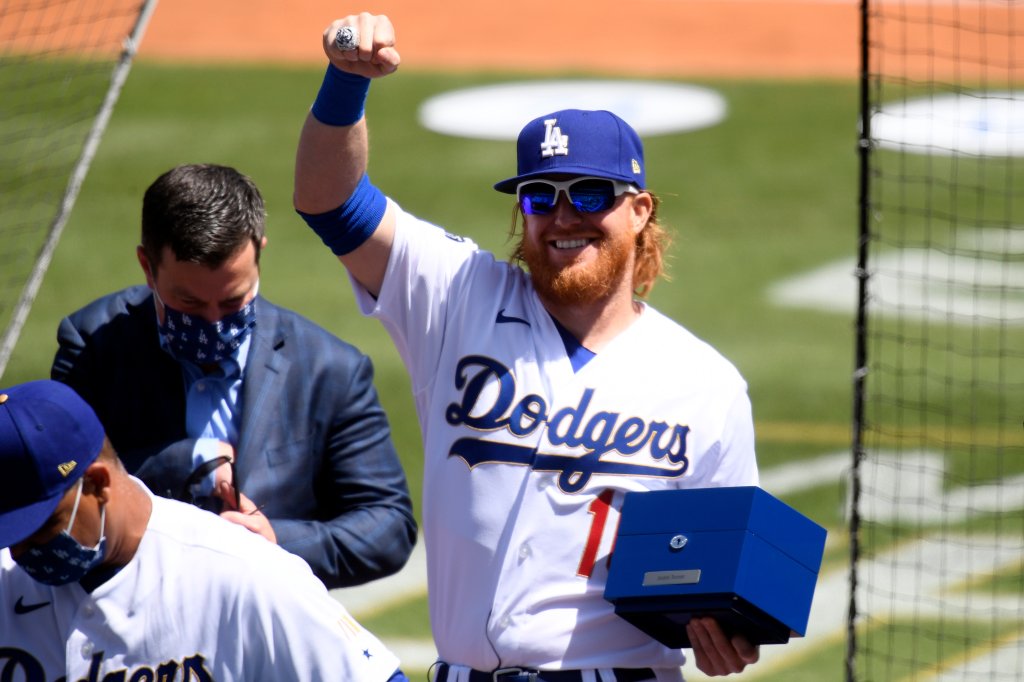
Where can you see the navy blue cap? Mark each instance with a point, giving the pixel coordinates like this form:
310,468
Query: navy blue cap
578,142
48,437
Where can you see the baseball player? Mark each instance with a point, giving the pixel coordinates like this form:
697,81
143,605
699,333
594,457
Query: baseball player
544,394
101,580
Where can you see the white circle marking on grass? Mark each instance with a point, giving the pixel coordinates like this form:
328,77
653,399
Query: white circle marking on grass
979,124
498,112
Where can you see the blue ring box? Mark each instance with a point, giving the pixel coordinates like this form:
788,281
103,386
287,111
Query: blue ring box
738,554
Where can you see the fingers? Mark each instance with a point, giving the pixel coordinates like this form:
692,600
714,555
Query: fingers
747,652
225,492
716,654
247,506
249,516
706,657
223,475
375,55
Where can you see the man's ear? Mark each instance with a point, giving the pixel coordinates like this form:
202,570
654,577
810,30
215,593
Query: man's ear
97,481
643,206
146,266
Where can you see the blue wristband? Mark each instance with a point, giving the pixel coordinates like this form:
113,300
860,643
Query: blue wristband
342,97
345,228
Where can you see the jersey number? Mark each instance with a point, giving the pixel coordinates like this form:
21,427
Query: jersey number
599,509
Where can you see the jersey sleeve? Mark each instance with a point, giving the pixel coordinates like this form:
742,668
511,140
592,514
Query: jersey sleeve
303,633
419,291
320,640
207,593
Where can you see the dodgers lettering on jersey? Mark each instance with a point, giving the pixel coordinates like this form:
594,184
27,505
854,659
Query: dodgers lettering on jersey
596,432
142,626
528,459
18,664
191,669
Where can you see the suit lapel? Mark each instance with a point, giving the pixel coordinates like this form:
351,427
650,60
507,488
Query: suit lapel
160,405
265,372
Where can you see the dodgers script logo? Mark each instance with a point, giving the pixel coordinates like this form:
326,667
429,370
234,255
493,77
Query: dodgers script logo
18,664
598,433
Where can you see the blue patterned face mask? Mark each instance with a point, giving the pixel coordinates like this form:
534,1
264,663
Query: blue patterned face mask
63,559
191,338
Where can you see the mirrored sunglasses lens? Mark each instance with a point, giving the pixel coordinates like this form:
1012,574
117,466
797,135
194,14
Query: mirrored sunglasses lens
592,196
537,199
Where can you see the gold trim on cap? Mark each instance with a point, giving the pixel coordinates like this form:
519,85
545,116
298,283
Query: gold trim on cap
3,398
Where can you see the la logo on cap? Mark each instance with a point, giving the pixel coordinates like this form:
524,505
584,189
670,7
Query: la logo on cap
66,468
554,141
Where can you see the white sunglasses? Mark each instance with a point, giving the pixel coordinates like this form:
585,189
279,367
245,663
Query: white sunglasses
587,194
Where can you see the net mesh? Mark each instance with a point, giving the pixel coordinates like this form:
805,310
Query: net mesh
61,66
938,501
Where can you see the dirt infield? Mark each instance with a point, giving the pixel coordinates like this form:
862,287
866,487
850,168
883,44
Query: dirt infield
803,38
921,39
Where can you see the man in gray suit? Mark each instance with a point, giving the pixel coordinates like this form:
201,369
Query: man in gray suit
214,395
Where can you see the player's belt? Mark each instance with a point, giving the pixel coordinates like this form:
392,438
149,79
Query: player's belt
529,675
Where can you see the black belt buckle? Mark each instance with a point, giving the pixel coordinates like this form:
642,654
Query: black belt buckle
514,675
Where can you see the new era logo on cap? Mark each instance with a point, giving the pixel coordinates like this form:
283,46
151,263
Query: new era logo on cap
578,142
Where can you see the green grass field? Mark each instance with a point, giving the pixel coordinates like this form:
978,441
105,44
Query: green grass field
769,193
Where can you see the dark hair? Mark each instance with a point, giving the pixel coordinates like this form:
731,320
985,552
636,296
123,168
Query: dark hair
204,213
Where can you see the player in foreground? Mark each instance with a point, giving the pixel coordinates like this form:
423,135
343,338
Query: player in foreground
543,395
100,579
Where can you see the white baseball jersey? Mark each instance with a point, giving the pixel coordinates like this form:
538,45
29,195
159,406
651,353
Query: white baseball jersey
528,461
202,600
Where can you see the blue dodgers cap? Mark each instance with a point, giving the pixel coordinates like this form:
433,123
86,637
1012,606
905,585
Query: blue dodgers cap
578,142
48,437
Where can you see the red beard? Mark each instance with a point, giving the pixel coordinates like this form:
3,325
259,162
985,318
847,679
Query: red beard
579,283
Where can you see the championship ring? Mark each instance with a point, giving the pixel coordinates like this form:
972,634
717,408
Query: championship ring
347,38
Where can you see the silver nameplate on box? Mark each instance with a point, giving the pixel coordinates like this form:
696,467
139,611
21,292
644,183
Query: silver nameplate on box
690,577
